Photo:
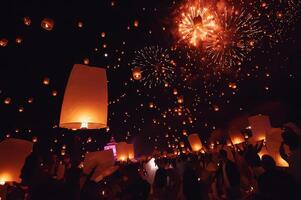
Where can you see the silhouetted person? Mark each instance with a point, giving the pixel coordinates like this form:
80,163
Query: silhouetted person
191,185
291,139
160,181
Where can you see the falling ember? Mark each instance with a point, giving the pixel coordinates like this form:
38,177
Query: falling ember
197,24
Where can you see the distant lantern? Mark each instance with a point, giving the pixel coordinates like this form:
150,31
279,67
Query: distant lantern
273,142
13,153
80,24
175,91
54,93
21,109
151,104
122,151
136,23
30,100
19,40
47,24
34,139
27,21
3,42
85,103
195,142
215,108
180,99
182,145
103,34
136,72
46,81
7,100
86,61
260,125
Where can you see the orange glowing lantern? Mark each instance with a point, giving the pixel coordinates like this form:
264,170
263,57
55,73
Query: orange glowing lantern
46,81
273,142
235,127
136,23
80,24
260,125
180,99
137,75
85,103
13,153
30,100
175,91
195,142
19,40
86,61
54,93
27,21
122,151
131,151
3,42
7,100
47,24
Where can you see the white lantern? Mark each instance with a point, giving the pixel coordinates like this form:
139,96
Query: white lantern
195,142
260,125
85,103
13,153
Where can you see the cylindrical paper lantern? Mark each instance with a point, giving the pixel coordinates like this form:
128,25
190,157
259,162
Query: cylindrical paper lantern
122,151
235,127
195,142
13,153
131,152
273,142
85,103
260,125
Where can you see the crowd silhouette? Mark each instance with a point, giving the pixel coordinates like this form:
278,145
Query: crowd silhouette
239,174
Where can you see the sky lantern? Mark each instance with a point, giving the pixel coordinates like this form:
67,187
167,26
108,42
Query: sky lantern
3,42
180,99
19,40
122,151
136,72
195,142
13,153
260,125
27,21
47,24
7,100
46,81
85,103
235,127
273,142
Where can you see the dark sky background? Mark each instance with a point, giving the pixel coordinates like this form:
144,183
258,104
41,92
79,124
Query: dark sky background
52,54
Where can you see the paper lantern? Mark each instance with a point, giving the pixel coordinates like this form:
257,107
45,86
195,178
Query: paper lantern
131,152
122,151
273,142
46,81
136,73
260,125
13,153
27,21
85,103
47,24
235,127
3,42
19,40
7,100
180,99
195,142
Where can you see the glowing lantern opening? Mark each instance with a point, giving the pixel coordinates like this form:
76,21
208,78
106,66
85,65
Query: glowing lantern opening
85,99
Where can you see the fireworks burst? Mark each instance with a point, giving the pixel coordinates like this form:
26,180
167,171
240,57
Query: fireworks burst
156,66
197,24
237,35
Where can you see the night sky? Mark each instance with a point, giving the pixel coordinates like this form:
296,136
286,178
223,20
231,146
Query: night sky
111,35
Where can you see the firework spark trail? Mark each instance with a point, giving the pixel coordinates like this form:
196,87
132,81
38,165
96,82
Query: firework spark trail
156,66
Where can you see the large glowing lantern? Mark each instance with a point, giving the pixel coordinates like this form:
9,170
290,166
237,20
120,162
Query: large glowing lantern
235,127
273,142
122,151
85,103
13,153
260,125
195,142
